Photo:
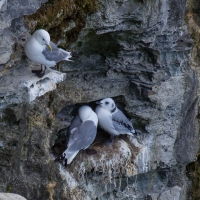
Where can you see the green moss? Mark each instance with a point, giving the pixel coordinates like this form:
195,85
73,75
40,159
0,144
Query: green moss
51,98
51,2
35,120
55,16
87,6
39,26
8,188
193,173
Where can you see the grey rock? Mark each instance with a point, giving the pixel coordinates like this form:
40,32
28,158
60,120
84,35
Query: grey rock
174,193
6,50
3,5
15,9
23,86
10,10
136,52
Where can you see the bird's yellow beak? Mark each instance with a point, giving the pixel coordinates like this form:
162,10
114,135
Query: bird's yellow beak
49,47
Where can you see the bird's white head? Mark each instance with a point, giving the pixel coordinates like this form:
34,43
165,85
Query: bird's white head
107,104
42,37
84,112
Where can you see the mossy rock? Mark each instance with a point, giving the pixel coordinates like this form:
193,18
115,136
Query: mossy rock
55,16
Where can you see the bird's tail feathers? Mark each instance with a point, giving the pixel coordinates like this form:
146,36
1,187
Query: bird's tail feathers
133,131
71,55
67,58
131,134
67,156
71,157
62,157
68,55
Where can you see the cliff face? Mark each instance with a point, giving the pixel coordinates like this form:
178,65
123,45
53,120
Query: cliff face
138,53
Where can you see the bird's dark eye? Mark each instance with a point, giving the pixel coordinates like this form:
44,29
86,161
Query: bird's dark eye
43,38
106,103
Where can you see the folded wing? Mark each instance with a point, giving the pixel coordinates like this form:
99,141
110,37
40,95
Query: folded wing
56,54
121,123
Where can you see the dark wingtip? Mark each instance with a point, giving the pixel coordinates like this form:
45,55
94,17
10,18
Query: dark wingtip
59,158
134,132
74,54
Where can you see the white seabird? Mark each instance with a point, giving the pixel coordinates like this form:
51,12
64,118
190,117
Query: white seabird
83,131
41,50
112,120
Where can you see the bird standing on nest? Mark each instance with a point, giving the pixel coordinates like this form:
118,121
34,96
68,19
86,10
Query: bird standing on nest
41,50
83,130
112,120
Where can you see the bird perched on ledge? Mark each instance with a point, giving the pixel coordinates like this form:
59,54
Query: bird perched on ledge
41,50
83,129
112,120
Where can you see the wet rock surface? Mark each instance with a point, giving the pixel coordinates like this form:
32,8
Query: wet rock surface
136,52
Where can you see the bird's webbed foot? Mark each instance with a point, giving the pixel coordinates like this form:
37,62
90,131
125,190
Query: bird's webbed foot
91,151
39,73
65,162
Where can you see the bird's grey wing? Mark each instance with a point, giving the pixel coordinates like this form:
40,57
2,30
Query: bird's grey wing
83,136
76,122
121,123
56,54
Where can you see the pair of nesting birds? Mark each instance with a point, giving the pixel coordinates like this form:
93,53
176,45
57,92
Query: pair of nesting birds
83,127
39,49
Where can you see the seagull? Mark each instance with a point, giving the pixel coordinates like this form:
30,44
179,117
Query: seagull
83,129
112,120
41,50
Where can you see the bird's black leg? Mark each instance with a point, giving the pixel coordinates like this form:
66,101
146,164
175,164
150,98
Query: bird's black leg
44,70
37,71
40,73
65,162
110,141
57,68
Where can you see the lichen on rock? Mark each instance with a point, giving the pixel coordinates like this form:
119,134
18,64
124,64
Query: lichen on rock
57,17
192,19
